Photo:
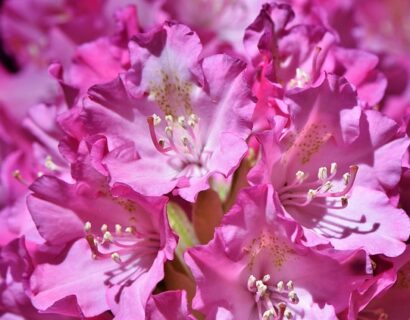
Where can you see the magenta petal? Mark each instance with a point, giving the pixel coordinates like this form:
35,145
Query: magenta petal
168,305
83,277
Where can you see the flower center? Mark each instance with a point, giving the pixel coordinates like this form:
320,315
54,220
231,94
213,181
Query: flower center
179,140
273,300
320,192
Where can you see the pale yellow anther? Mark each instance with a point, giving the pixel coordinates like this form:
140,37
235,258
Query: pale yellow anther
116,257
17,174
266,278
280,286
104,228
333,168
129,229
251,281
300,176
322,173
87,226
108,236
49,164
193,120
169,132
268,313
118,229
311,194
181,121
169,119
346,178
261,287
290,285
293,297
156,119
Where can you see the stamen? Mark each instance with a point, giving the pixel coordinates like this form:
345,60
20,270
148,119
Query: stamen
327,186
346,178
129,229
280,286
289,285
293,297
154,138
300,176
322,173
49,164
161,143
169,119
169,132
87,226
333,168
251,282
266,278
265,296
116,257
181,121
311,194
104,228
40,174
108,236
156,119
118,229
17,175
261,287
321,188
268,313
193,120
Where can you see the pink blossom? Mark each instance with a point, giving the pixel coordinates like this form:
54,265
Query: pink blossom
117,257
253,259
179,142
294,52
331,168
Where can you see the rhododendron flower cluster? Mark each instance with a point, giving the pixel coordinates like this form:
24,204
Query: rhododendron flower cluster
192,159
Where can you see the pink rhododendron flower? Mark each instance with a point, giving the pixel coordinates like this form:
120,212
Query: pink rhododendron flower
123,244
329,134
191,128
294,52
265,279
